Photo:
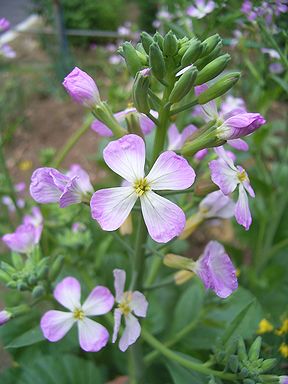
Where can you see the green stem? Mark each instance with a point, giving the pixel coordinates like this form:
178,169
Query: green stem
183,108
70,143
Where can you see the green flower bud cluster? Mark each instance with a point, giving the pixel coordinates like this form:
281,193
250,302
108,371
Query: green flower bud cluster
31,274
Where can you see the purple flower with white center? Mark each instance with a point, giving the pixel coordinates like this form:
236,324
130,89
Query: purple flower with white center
126,156
146,124
129,304
200,8
82,88
4,316
7,51
216,204
4,24
92,335
51,186
176,139
23,240
283,379
234,104
216,270
228,177
36,219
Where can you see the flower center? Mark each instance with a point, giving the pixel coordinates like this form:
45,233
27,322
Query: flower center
78,314
141,186
124,306
242,176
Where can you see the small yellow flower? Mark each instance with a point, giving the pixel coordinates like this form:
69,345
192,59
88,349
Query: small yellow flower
283,329
283,349
25,165
264,327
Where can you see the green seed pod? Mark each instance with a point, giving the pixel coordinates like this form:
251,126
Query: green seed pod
203,61
159,39
192,53
212,69
132,59
233,363
255,348
156,61
210,43
183,85
267,365
4,277
146,41
38,291
242,350
170,46
17,260
219,88
140,93
56,267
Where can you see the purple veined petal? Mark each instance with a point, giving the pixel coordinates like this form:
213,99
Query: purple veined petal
210,6
176,139
117,323
249,188
171,171
139,304
240,125
146,124
131,332
210,108
216,204
239,144
83,180
43,188
68,293
119,283
110,207
242,211
55,324
120,116
36,219
72,193
126,157
201,154
224,155
99,302
223,176
100,128
92,335
164,219
22,240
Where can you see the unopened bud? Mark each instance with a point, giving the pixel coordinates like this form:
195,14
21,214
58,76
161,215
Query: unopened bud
146,41
212,69
203,61
103,113
156,61
182,276
244,372
4,277
183,85
22,286
38,291
5,316
170,46
178,262
254,350
191,225
56,267
210,43
219,88
192,53
159,39
7,268
132,59
267,365
242,350
32,279
233,363
140,93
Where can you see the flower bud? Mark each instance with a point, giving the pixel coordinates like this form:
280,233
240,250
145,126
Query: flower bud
183,85
103,113
132,59
212,69
203,61
38,291
210,43
178,262
7,268
267,365
192,53
146,41
242,350
191,225
254,350
4,277
56,267
219,88
239,125
170,46
82,88
159,39
233,363
4,316
140,92
156,61
182,276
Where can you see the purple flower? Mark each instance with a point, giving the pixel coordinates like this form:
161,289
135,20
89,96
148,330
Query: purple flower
146,124
92,335
36,219
200,8
129,304
228,177
283,379
50,186
4,316
23,240
4,24
126,156
216,270
7,51
176,139
276,68
216,204
78,227
82,88
232,104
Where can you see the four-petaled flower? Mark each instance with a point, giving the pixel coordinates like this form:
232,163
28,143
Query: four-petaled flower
128,303
92,335
200,8
126,156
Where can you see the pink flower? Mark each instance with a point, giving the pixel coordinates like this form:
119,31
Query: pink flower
200,8
92,335
129,304
82,88
50,186
4,24
216,204
146,124
126,156
36,219
231,103
4,316
228,177
176,139
23,240
216,270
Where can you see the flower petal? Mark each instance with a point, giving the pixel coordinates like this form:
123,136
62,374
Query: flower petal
119,283
99,302
171,171
68,293
23,239
111,207
100,128
72,194
92,336
223,176
239,144
146,124
83,179
163,218
43,187
131,333
216,204
126,157
55,324
139,304
242,211
117,322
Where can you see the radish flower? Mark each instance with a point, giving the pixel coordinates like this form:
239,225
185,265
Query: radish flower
200,8
4,316
126,156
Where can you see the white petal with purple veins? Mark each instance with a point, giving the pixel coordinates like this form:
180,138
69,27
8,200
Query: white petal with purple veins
131,332
92,336
119,283
68,293
55,324
99,302
139,304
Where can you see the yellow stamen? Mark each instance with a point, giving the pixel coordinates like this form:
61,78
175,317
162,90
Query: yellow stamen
141,186
242,176
78,314
124,306
264,327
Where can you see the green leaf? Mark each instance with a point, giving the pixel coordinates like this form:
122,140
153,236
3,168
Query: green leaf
181,375
28,338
